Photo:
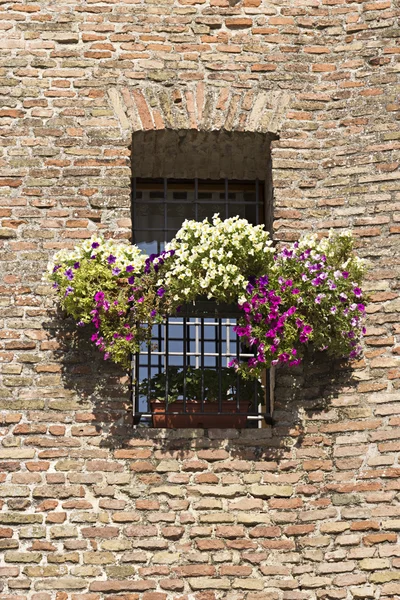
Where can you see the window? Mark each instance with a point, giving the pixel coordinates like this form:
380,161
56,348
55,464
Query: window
200,341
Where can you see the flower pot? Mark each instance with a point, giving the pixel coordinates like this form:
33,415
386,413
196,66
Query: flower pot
176,418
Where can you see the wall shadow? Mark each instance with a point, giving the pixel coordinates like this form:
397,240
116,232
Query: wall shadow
102,392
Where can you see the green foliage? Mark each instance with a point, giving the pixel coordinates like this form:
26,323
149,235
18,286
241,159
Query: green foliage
198,383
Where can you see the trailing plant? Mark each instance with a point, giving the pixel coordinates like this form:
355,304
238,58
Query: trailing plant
311,294
304,293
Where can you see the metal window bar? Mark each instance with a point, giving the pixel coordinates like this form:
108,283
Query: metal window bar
205,342
182,351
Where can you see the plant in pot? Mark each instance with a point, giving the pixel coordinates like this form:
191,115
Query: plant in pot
190,397
304,294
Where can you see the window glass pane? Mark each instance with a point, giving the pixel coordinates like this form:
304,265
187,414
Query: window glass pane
149,215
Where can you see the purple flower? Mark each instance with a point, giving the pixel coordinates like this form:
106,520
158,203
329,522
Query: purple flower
345,274
95,245
77,265
294,363
357,292
111,259
55,286
361,307
129,269
131,280
295,291
129,337
284,357
116,271
80,324
333,309
287,253
99,296
69,274
94,337
307,329
56,267
319,298
153,313
68,291
343,297
106,355
160,292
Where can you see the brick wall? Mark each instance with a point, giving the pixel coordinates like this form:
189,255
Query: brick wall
91,509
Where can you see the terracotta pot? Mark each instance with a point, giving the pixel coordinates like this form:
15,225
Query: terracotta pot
228,418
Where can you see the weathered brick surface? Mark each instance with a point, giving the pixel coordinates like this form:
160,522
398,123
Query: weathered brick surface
90,509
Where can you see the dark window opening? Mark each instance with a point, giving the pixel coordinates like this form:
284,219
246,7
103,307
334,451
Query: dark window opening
176,177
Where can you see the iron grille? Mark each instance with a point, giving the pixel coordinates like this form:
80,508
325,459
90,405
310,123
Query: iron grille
199,343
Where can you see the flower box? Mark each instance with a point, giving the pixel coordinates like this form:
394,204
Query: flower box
226,414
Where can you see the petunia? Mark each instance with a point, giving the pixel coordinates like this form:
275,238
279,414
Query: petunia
68,291
129,269
99,296
357,292
69,274
77,265
160,292
111,259
115,271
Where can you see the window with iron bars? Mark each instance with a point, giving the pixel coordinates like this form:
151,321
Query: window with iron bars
200,340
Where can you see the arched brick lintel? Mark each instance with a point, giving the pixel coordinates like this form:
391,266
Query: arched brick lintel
199,107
